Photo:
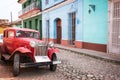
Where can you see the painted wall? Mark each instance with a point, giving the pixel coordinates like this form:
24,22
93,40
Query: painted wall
1,30
62,13
95,23
50,3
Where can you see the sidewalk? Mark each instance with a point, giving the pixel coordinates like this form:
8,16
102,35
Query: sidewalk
96,54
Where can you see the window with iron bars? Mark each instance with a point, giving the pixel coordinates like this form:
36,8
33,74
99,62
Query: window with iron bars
71,28
47,30
115,29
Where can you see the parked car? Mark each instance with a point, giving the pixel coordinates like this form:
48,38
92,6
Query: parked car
23,47
1,38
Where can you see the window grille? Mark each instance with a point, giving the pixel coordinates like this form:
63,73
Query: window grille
41,49
115,29
47,30
71,28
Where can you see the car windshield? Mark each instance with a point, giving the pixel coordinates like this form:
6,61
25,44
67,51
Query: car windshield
27,34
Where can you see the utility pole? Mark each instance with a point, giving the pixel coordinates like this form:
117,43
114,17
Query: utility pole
11,17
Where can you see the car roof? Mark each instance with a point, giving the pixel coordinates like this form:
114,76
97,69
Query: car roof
23,29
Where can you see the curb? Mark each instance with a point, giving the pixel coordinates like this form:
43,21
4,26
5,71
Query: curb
108,59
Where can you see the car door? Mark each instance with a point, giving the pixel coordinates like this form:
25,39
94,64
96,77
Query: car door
9,41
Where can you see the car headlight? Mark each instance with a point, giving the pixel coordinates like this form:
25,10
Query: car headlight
32,43
51,44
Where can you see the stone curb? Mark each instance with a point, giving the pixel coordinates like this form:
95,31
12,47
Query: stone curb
104,58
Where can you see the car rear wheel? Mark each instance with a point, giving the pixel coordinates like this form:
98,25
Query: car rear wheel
1,57
16,65
53,67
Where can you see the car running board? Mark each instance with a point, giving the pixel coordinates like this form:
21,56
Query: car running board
24,65
6,56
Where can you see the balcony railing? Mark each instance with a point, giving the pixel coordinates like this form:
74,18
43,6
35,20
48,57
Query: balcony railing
34,5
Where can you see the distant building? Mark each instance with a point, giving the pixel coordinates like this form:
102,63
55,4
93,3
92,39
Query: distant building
17,23
3,24
31,14
4,21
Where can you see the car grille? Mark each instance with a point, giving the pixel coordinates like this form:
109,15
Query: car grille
41,49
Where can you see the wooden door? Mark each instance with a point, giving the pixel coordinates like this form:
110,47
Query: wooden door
58,25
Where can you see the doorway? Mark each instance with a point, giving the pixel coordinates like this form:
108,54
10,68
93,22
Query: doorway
58,30
72,28
114,27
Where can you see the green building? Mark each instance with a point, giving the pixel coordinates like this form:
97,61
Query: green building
31,14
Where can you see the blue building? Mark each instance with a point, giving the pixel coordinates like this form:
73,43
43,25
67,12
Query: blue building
62,21
87,24
78,23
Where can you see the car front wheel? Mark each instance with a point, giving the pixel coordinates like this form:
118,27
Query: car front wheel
16,65
0,55
53,67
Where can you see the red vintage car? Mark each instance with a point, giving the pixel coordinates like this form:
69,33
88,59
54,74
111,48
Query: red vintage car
23,47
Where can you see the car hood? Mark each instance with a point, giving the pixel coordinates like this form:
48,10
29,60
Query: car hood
29,39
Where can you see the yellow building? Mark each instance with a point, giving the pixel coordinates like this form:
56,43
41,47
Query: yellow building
3,24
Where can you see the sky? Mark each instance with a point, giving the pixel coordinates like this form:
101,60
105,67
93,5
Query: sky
7,7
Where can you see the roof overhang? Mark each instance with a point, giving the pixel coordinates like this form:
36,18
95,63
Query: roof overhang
22,1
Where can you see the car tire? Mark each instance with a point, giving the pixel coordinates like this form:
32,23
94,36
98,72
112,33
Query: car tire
0,54
53,67
16,65
1,57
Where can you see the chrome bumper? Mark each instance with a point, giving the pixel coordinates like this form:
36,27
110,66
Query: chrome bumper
24,65
56,62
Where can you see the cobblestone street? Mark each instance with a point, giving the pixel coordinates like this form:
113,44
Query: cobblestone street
74,67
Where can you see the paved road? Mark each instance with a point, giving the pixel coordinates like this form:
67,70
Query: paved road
74,67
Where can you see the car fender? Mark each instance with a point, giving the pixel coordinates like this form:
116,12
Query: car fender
51,51
22,50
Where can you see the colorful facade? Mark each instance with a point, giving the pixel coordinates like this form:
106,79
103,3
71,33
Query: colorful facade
77,23
60,19
31,14
87,24
95,24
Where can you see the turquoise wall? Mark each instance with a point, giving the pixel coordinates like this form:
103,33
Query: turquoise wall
90,27
95,23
